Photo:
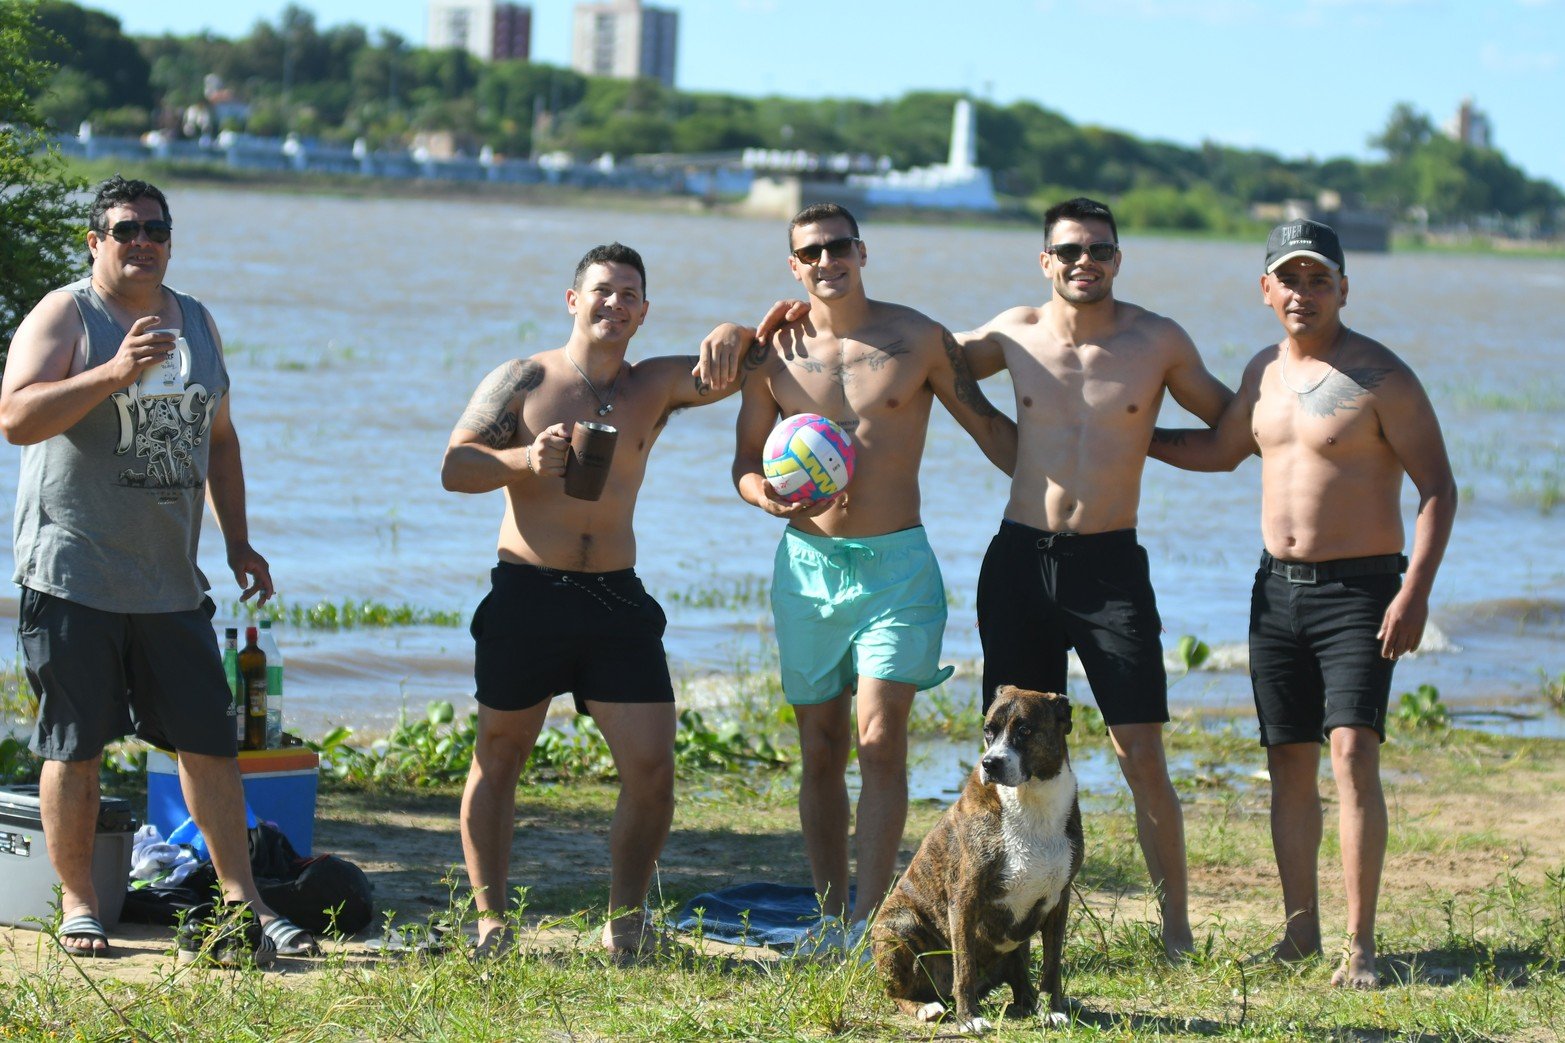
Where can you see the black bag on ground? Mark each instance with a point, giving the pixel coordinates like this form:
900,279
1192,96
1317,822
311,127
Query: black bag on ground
308,891
319,894
329,893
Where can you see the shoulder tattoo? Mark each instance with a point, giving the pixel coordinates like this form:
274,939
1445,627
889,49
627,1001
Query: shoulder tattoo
967,390
1342,390
492,412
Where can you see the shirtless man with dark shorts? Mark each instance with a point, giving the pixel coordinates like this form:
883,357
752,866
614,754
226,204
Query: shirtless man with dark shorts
857,595
566,612
1338,419
1065,569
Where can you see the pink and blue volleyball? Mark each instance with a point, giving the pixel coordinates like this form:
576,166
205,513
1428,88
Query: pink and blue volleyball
807,458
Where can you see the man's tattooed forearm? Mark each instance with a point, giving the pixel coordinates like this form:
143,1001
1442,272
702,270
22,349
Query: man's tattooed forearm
967,389
1167,436
492,414
1342,389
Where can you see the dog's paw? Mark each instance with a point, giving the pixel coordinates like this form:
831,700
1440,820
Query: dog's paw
931,1011
1053,1019
978,1026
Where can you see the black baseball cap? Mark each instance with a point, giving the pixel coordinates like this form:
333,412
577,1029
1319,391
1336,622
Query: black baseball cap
1304,239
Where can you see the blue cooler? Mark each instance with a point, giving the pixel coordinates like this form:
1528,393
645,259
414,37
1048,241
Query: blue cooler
279,787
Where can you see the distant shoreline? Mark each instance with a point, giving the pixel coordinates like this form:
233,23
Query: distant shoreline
354,186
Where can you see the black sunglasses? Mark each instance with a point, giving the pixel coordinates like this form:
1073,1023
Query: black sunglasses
838,248
127,231
1070,253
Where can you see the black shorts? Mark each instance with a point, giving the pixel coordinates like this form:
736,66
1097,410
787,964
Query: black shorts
597,635
1315,659
102,675
1041,594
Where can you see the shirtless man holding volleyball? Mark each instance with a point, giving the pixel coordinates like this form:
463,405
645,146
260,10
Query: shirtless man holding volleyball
566,612
857,595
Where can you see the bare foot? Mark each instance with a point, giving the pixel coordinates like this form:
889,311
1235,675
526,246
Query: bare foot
1295,948
493,936
1177,943
631,940
1357,971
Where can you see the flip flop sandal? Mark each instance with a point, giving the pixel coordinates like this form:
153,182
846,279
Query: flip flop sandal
229,938
290,939
85,926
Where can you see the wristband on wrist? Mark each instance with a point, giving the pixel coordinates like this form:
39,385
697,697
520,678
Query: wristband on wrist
527,457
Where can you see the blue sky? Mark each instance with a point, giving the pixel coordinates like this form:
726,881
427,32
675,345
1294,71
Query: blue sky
1299,77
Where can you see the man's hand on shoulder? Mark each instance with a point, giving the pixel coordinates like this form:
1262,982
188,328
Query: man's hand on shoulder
723,352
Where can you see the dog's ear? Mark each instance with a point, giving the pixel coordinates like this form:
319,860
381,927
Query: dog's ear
1062,710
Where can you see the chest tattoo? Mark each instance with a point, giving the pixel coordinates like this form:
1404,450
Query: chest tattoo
845,369
1342,390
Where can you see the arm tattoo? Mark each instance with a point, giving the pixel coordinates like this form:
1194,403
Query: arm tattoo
490,413
757,356
1167,436
1341,389
967,390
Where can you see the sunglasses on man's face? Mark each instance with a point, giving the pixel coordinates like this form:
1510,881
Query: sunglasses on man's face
127,231
1070,253
838,248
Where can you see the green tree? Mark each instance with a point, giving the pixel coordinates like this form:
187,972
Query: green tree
92,43
1407,130
40,248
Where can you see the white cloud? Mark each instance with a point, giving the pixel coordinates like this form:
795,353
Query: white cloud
1498,58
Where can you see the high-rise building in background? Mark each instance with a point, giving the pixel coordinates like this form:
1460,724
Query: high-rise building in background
1470,127
486,29
625,39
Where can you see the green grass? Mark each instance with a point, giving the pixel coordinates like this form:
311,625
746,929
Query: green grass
1470,954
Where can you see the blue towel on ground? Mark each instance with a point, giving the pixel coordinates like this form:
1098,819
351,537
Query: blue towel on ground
777,915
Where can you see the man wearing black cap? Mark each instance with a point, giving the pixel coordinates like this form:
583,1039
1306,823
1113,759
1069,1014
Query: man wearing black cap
1337,419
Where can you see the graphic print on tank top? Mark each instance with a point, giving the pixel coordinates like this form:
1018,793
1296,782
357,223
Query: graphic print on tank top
161,434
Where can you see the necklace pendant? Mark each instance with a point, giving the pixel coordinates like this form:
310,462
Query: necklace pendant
606,410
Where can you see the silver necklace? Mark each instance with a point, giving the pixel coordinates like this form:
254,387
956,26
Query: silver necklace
1330,369
605,402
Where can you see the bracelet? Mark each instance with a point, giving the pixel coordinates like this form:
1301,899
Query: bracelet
527,457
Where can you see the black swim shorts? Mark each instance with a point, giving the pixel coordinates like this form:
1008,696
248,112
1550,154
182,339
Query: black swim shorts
1315,659
1041,594
102,675
597,635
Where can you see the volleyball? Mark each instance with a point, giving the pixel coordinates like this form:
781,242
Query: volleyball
807,458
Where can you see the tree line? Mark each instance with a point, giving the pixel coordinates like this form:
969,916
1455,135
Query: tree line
343,83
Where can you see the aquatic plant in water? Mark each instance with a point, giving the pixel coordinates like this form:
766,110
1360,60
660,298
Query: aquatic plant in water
347,614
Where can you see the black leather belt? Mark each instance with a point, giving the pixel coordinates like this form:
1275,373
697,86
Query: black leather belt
1326,571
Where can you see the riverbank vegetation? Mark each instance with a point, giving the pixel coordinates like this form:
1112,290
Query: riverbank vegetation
344,83
1472,926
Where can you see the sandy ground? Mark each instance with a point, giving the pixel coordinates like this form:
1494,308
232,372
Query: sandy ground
1504,818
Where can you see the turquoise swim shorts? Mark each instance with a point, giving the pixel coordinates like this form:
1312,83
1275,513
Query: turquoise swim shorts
871,606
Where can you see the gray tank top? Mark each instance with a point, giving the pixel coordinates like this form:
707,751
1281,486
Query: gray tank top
108,512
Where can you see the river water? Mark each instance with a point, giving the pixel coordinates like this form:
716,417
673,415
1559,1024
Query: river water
357,328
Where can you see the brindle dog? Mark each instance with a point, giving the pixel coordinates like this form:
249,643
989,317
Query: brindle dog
995,870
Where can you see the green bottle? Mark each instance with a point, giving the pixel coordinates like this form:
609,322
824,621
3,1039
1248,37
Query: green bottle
236,692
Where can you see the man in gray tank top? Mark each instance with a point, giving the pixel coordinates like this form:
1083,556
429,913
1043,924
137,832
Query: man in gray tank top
123,431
